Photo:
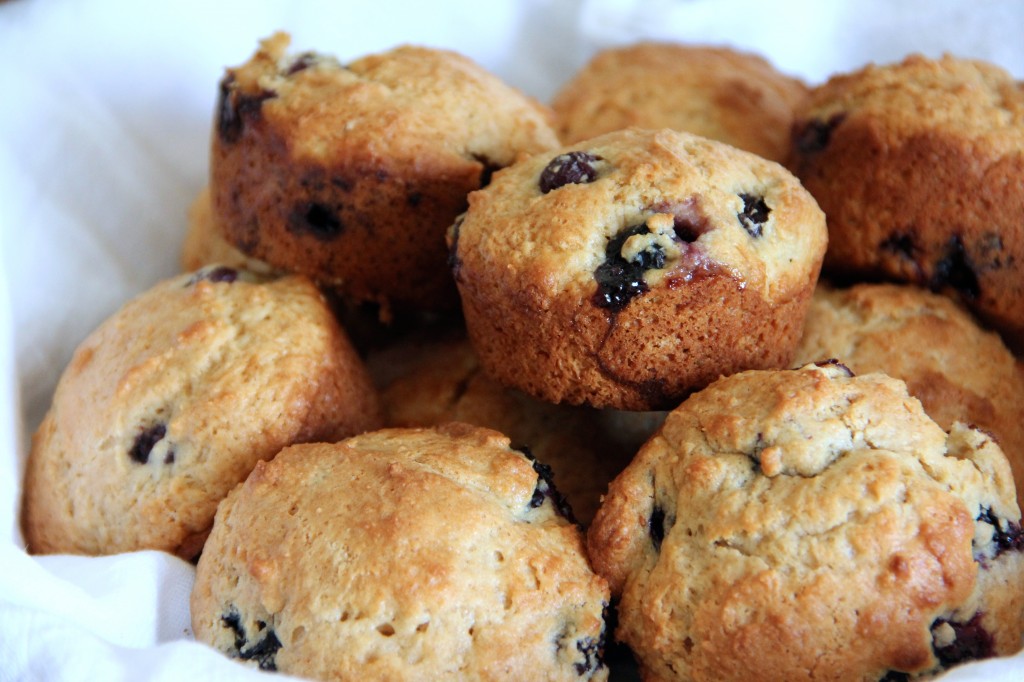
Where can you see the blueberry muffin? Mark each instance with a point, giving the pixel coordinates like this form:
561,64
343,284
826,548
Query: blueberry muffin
205,244
630,269
443,382
918,167
957,370
720,93
810,524
170,403
402,554
352,173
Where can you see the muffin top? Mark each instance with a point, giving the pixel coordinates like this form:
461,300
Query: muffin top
959,371
801,519
726,95
961,97
170,402
407,105
403,552
609,218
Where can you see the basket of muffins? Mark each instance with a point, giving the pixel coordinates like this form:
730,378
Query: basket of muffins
697,373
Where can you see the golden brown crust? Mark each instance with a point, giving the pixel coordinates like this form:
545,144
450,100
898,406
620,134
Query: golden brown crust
352,174
957,370
723,94
918,167
445,383
807,524
527,265
170,403
402,554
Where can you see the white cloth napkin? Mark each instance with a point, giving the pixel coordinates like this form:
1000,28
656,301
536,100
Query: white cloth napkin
105,115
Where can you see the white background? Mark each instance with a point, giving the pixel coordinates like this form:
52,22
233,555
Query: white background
105,113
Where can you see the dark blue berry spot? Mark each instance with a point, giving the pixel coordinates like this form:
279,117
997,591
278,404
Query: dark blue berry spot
656,526
545,488
220,273
955,270
236,109
619,281
754,215
973,642
1006,534
263,652
145,441
832,362
813,136
301,63
318,220
900,244
572,168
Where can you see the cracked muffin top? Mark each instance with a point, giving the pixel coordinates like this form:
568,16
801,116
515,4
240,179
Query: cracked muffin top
723,94
787,523
958,370
402,554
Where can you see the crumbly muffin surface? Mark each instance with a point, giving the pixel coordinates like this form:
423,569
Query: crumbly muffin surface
918,167
726,95
402,554
170,402
806,523
959,371
633,267
351,173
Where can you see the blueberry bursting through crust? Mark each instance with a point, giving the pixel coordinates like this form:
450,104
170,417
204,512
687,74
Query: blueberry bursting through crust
264,651
145,441
970,640
619,280
570,168
236,109
545,488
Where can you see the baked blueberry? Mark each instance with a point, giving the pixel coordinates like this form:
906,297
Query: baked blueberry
955,269
446,569
236,109
813,136
144,442
754,215
571,168
316,219
630,278
857,525
970,641
358,170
